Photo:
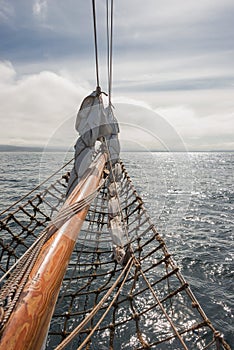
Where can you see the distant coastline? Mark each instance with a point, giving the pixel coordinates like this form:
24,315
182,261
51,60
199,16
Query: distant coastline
11,148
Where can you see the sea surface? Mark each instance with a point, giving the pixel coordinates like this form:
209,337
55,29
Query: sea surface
190,198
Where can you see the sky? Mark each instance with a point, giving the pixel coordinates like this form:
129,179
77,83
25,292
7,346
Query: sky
173,71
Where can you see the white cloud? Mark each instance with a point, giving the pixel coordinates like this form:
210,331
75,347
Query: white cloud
32,107
40,9
211,132
40,109
6,11
169,19
36,109
7,72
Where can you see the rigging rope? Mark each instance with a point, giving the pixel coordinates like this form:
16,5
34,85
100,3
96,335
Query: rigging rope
89,316
162,307
95,41
117,194
63,216
13,287
36,188
109,25
88,280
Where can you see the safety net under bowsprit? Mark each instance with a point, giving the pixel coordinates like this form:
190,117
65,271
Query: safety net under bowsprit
142,302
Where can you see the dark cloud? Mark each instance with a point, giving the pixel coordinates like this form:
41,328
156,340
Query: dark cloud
60,27
62,31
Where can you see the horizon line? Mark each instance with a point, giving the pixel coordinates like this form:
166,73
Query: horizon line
15,148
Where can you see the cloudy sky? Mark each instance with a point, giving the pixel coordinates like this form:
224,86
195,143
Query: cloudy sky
173,85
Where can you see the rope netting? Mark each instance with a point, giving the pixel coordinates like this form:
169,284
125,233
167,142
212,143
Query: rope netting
20,227
143,304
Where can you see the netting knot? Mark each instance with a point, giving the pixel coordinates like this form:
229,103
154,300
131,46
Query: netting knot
66,176
130,297
137,265
194,304
135,316
111,327
217,334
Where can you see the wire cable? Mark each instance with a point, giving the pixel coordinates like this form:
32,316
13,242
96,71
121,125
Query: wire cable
111,50
95,41
109,30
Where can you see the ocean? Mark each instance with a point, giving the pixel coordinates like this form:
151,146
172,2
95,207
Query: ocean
190,198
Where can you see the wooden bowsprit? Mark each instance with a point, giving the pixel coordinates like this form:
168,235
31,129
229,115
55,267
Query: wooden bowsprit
28,324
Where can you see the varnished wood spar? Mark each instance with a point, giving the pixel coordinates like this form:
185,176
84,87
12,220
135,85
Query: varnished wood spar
28,325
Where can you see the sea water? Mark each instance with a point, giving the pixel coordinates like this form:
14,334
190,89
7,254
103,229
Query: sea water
190,198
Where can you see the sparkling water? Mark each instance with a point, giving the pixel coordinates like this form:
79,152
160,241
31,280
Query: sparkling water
190,198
